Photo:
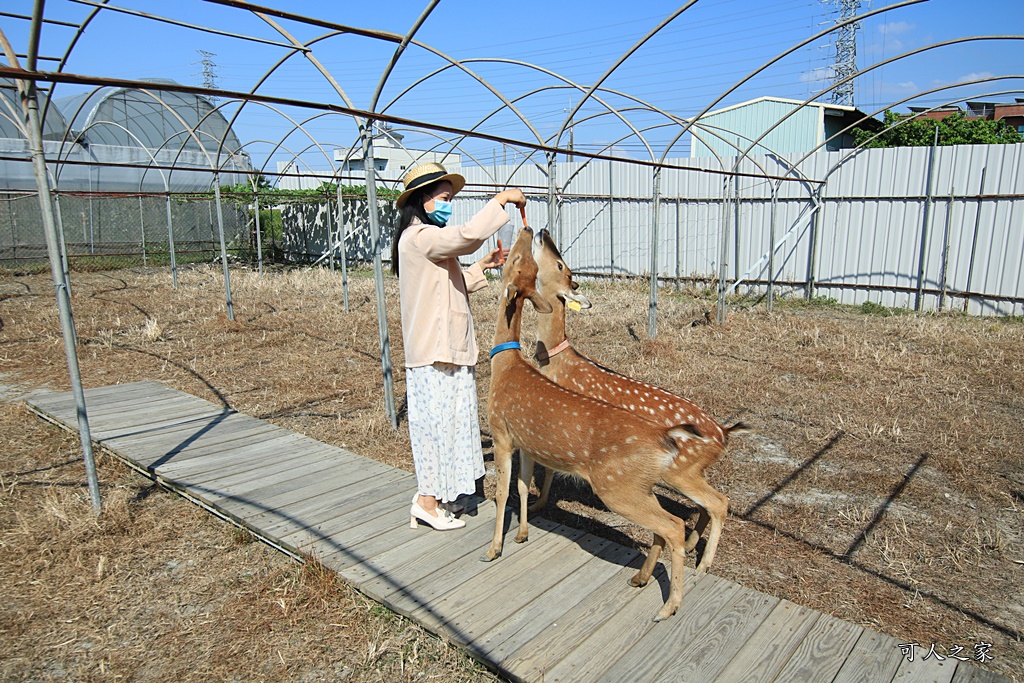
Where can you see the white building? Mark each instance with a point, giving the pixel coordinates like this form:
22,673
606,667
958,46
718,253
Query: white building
391,158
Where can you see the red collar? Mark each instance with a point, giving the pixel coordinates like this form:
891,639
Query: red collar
555,351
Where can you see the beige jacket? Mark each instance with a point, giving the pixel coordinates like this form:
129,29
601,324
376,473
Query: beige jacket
437,325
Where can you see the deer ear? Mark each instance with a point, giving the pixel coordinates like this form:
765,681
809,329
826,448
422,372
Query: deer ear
541,304
511,292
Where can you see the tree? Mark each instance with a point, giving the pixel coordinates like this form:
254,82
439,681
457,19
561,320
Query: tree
956,129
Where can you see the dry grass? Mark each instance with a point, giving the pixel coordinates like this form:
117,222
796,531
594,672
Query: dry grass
885,484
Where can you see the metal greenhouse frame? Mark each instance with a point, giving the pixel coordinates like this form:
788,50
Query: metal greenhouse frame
222,156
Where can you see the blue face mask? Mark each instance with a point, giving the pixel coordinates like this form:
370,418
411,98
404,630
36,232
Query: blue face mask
441,213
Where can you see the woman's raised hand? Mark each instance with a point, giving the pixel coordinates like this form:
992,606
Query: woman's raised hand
514,195
494,259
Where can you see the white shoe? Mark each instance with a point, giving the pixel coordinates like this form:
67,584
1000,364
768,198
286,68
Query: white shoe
444,520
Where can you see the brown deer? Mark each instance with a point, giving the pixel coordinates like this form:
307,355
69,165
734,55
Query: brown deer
569,368
621,455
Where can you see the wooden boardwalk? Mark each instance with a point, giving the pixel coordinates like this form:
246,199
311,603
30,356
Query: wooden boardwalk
554,609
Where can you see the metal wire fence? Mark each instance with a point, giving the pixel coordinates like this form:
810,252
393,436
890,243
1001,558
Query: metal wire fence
123,231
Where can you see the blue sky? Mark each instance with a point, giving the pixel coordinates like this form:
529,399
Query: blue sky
687,66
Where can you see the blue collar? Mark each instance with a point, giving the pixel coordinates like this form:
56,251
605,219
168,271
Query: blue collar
505,347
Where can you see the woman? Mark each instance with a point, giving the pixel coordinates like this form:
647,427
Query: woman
437,329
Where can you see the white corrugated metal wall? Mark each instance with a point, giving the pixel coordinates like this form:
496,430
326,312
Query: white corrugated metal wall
871,215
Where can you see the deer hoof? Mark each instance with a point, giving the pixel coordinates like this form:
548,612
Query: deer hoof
637,582
490,556
522,539
664,614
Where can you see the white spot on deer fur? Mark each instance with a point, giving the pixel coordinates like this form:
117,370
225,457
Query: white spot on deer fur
630,439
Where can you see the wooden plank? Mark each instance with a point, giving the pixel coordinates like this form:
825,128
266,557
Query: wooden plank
300,523
388,575
362,540
722,639
321,542
648,657
141,396
923,670
768,649
141,404
150,416
191,440
529,662
617,633
392,496
822,652
504,586
65,401
143,426
497,643
278,452
967,672
208,476
268,489
502,597
427,553
392,539
875,657
420,589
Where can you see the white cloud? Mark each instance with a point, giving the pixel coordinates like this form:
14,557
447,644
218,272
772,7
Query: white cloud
820,75
974,77
894,28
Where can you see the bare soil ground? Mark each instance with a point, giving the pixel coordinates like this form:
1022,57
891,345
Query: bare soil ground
884,484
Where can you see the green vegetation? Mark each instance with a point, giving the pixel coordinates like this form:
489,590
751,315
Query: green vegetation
903,131
243,193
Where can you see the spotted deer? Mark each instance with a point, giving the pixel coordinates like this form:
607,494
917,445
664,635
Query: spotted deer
621,455
569,368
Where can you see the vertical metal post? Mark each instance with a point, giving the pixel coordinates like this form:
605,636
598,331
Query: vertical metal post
170,242
736,231
30,106
611,218
652,303
723,246
142,229
974,241
925,223
259,233
366,133
771,246
329,217
812,251
343,237
678,246
62,242
945,249
553,227
223,248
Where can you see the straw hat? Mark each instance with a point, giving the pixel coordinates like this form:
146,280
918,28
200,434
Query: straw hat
425,174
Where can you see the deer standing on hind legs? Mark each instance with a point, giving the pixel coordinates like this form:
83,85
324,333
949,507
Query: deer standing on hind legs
621,455
568,368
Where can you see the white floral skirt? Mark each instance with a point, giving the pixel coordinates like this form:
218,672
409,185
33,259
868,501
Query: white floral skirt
444,427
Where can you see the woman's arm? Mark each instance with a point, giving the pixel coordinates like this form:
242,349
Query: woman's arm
438,244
